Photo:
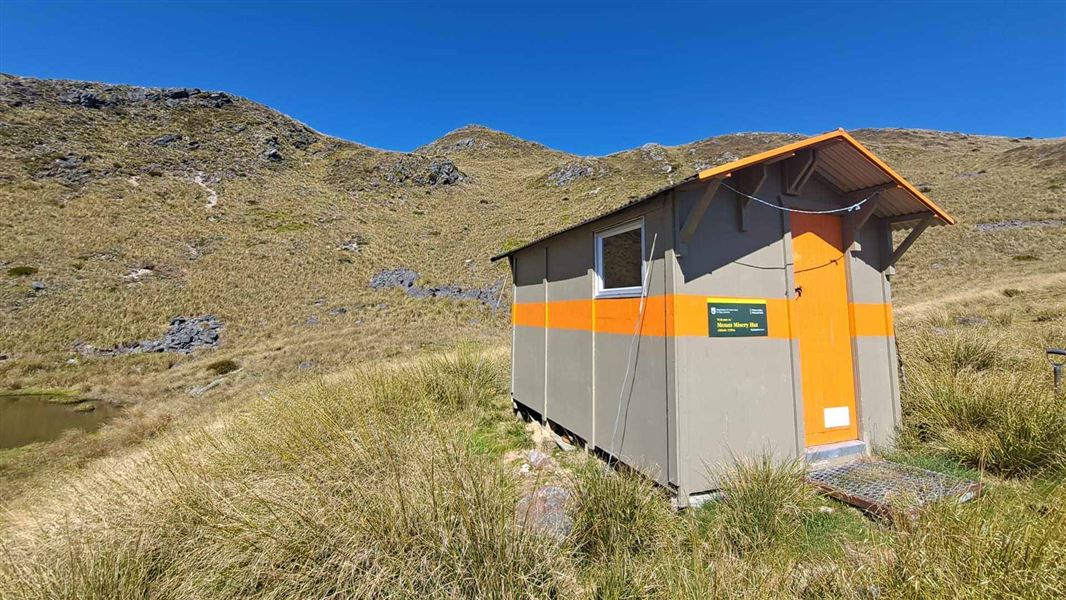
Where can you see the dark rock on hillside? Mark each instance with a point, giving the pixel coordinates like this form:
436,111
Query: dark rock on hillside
423,170
166,140
69,169
185,335
406,279
15,92
86,99
272,152
394,278
573,171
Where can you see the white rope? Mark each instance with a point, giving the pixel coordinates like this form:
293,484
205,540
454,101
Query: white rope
632,342
800,210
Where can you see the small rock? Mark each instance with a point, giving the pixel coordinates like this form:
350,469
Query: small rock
353,244
539,459
312,320
272,151
166,140
544,510
338,311
38,286
137,274
826,510
305,365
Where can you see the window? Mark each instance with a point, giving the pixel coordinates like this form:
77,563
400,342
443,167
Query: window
620,260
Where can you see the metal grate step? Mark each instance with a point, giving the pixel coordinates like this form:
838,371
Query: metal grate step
882,487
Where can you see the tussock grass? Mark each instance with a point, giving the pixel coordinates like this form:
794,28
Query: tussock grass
363,487
618,514
1011,544
982,398
764,504
376,484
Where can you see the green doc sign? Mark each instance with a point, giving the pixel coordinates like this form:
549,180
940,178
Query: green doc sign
735,317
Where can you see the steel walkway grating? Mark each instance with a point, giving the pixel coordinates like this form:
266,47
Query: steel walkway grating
882,487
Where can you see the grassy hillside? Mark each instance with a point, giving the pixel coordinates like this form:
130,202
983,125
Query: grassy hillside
341,454
124,207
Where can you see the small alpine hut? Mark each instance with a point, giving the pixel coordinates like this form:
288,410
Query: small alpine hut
744,310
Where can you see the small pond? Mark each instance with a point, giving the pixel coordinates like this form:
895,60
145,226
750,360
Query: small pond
28,419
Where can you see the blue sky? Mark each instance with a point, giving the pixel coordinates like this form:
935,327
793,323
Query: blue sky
588,78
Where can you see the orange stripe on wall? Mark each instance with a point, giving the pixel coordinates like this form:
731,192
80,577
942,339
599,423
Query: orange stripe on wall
528,314
570,314
871,320
675,315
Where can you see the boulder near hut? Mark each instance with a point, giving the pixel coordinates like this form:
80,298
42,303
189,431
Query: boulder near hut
742,310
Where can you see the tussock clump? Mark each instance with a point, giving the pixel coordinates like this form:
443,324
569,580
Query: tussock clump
617,514
1007,545
1008,423
956,351
221,367
332,489
765,504
22,271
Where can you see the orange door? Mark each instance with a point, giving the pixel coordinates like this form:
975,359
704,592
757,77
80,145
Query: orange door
822,326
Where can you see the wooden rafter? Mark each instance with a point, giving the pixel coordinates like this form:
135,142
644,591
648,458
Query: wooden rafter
919,227
749,181
688,229
797,171
854,221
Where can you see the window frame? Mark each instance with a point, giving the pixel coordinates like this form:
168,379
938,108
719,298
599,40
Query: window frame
621,292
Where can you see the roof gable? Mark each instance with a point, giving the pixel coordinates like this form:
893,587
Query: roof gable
848,165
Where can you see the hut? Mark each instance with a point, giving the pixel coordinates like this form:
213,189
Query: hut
744,310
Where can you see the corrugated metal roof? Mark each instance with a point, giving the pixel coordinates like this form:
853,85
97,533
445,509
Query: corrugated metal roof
842,162
632,202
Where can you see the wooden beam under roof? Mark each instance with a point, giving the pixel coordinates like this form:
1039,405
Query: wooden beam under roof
748,181
910,239
688,229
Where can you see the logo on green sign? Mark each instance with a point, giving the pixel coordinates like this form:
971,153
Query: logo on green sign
730,317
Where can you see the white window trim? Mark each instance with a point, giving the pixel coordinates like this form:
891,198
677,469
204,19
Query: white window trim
623,292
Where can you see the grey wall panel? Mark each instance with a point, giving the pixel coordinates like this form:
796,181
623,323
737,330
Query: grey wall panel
529,367
529,342
570,371
877,407
633,408
570,266
569,351
720,260
867,279
739,397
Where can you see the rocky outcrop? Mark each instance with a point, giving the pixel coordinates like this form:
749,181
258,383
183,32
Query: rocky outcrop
185,335
407,280
422,170
573,171
15,92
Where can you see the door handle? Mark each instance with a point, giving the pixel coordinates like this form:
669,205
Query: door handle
799,291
